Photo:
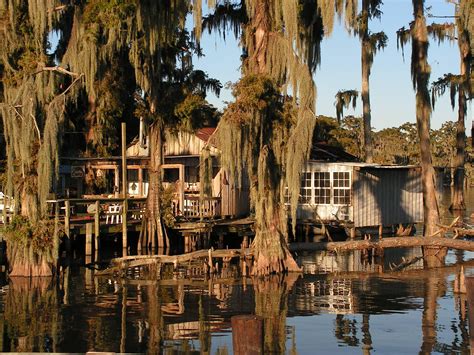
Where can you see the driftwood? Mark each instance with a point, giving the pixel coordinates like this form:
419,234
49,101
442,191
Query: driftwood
404,264
144,260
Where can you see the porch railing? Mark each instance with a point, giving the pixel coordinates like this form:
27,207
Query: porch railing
195,207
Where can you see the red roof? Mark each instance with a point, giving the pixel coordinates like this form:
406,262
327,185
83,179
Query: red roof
205,133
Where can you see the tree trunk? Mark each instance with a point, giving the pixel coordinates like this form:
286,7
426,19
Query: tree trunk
29,202
366,64
270,246
152,233
458,196
421,76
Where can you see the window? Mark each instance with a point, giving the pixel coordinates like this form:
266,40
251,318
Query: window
305,190
322,188
341,182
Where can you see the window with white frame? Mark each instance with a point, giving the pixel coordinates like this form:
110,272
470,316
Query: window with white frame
341,182
322,188
306,188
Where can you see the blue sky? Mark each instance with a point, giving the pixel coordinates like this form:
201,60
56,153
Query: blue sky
392,95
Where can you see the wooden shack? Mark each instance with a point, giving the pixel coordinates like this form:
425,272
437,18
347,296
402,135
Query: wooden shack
358,194
182,151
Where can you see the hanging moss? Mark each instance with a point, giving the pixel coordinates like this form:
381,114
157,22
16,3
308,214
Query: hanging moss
344,99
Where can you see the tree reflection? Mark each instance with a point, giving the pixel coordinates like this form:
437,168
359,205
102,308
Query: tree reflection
31,315
271,295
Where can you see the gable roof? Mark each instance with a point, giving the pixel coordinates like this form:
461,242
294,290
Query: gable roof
322,151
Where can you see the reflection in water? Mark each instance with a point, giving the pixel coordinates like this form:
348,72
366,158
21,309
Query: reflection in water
341,301
31,315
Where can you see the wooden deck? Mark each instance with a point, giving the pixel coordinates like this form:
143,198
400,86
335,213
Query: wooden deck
98,216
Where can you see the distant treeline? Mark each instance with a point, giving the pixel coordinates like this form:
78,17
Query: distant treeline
395,145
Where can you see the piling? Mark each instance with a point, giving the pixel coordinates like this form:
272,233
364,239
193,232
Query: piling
247,334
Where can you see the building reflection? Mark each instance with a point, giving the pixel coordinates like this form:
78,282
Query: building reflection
181,315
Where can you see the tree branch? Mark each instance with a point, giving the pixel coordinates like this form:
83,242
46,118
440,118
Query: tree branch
59,69
70,86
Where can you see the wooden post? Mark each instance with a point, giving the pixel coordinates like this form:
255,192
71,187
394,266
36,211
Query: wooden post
88,238
140,182
470,302
67,218
247,334
210,261
97,227
116,182
124,188
380,231
353,232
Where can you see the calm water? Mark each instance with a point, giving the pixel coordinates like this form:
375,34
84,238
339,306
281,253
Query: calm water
342,303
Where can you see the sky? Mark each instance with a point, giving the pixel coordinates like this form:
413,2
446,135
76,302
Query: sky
392,96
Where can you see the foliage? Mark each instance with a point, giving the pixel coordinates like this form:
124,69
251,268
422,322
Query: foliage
31,243
166,201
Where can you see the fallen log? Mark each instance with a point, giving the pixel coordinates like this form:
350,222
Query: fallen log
393,242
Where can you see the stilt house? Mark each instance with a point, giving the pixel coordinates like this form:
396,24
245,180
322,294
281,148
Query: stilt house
337,188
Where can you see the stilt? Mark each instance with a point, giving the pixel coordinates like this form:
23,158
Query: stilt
88,238
353,233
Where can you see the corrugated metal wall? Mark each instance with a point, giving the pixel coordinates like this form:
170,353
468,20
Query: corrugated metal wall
387,196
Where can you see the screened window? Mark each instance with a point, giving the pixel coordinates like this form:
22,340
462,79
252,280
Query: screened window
305,190
341,187
322,188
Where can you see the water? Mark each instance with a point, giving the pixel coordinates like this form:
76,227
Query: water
342,303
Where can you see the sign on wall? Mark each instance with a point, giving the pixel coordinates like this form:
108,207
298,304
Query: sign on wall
77,171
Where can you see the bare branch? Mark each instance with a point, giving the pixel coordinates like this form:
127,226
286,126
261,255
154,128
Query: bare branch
59,69
70,86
